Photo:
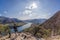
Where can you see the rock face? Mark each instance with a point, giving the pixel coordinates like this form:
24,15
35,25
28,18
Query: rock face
24,36
27,36
19,36
53,23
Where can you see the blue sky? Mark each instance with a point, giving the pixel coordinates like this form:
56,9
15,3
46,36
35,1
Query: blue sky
29,9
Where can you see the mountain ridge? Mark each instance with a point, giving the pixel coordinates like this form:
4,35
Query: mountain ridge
35,21
8,20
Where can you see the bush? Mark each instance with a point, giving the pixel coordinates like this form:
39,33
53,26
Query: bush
4,29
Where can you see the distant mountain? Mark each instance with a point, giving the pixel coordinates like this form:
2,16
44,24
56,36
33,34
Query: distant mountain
35,21
6,20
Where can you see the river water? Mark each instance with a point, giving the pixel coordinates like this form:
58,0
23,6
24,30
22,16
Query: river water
22,27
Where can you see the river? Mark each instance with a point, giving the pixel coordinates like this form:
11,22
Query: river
22,27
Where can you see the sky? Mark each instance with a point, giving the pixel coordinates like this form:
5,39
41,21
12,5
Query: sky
29,9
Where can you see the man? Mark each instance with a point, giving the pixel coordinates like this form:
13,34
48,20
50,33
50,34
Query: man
15,28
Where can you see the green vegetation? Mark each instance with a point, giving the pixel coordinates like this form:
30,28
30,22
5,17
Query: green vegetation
4,29
39,31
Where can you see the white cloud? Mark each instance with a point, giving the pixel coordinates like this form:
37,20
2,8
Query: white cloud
27,12
28,7
0,15
45,16
34,16
5,12
31,13
32,6
30,16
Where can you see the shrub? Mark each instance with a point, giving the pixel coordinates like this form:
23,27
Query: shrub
4,29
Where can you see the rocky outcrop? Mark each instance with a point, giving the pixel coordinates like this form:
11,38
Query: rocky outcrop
27,36
19,36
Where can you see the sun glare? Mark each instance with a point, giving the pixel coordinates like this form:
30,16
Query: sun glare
33,5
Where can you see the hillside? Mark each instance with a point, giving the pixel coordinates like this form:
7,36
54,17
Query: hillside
51,27
53,23
6,20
